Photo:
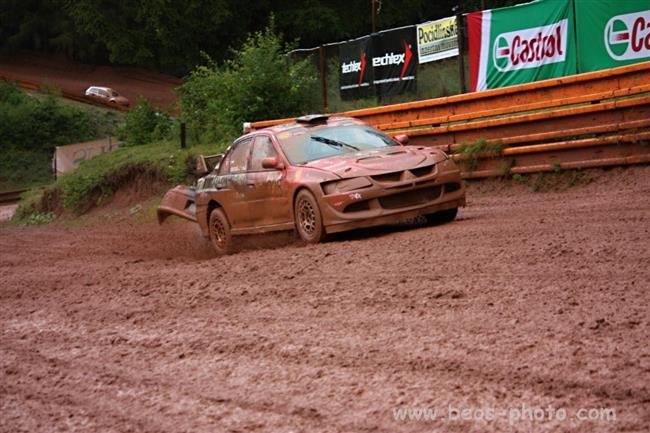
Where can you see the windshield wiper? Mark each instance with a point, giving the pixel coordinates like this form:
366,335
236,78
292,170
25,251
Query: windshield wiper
333,142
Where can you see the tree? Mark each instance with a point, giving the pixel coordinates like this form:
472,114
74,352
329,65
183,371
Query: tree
258,83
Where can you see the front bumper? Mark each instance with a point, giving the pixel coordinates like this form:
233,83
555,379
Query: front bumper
390,202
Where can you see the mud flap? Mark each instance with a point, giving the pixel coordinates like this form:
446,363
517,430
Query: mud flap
178,201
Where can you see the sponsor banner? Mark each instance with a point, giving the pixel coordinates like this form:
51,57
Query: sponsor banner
67,158
394,61
356,72
437,40
521,44
612,33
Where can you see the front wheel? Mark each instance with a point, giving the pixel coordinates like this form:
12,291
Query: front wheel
220,235
443,216
309,221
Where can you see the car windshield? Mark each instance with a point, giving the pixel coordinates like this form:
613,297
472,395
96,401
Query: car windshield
304,145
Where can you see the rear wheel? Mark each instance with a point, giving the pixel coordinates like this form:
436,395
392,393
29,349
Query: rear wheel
309,221
220,235
443,216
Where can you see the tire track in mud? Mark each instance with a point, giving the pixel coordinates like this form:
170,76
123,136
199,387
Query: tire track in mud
535,298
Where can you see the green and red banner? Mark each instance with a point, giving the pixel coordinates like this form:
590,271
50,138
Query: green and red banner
612,33
520,44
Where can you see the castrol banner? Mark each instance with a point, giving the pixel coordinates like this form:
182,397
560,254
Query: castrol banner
521,44
612,33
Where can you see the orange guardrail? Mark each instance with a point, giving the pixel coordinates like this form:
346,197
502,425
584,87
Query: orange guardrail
594,119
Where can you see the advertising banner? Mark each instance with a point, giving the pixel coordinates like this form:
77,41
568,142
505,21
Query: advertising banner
521,44
394,60
437,40
612,33
356,72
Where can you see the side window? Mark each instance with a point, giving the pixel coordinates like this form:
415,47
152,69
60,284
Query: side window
262,148
238,157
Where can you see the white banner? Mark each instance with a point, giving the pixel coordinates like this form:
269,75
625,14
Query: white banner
67,158
437,39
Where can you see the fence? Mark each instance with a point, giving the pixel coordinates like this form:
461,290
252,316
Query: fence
435,79
588,120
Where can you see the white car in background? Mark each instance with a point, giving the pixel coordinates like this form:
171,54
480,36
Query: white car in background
106,94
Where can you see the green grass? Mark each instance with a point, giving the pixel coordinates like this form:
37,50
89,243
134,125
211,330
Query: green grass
472,152
99,178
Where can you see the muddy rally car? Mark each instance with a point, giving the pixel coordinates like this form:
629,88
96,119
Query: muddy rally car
317,175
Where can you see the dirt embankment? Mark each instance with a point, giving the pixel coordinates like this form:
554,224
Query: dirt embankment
527,300
77,77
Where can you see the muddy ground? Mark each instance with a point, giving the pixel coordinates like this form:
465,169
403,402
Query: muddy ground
529,299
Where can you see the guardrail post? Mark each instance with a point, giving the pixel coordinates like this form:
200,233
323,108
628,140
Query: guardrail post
461,49
323,77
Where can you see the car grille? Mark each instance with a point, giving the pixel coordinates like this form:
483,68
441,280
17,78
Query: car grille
410,198
357,207
399,175
422,171
388,177
451,187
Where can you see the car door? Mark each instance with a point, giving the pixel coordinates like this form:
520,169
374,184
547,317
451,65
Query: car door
232,184
268,190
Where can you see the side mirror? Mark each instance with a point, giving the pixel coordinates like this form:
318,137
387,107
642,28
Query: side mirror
402,139
272,162
200,167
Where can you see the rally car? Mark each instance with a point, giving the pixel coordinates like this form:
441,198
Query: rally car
318,175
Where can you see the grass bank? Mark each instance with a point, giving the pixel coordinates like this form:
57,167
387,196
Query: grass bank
97,179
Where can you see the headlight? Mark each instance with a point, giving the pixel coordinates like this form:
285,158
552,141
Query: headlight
345,185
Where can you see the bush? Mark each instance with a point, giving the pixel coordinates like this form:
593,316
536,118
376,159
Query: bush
258,83
31,126
143,124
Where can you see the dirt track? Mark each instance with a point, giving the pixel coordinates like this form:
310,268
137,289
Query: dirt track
77,77
528,299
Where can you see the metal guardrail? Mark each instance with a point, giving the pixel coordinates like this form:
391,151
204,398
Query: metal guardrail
587,120
8,197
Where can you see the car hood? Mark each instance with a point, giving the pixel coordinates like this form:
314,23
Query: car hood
378,161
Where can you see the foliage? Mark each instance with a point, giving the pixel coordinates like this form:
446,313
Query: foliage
39,218
472,152
39,123
31,126
143,124
259,83
169,36
100,177
521,178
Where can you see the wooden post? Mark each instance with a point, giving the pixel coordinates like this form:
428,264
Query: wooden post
323,77
461,50
182,135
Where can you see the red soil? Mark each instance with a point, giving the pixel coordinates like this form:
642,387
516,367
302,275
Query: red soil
530,299
76,77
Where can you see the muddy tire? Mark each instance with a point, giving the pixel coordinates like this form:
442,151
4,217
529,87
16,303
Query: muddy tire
444,216
308,218
220,235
